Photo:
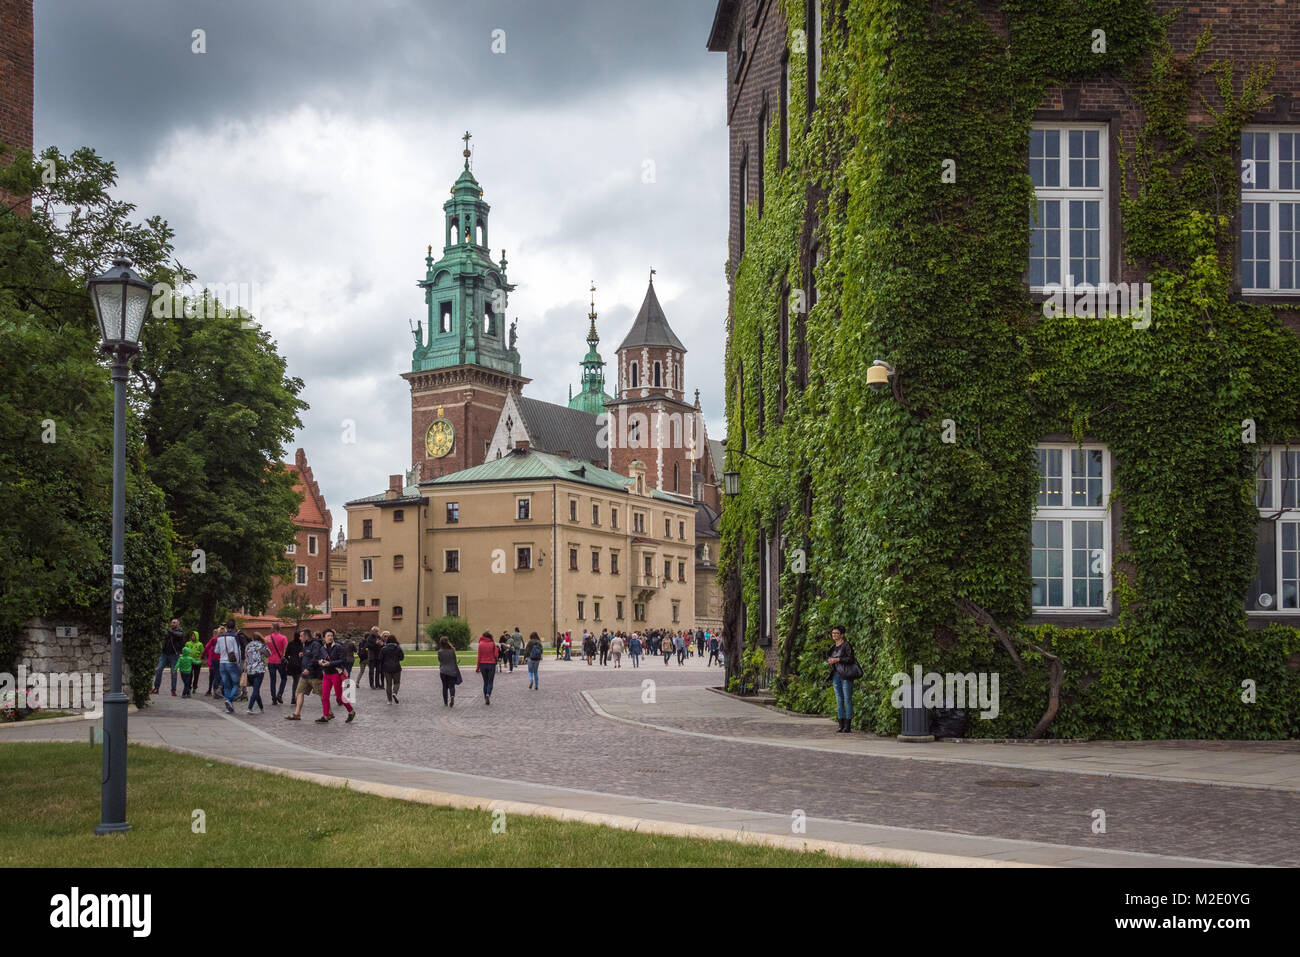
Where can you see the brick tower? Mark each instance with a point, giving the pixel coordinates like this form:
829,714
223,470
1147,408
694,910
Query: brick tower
17,67
463,366
651,421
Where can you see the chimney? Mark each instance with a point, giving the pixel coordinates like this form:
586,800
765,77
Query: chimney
394,486
521,446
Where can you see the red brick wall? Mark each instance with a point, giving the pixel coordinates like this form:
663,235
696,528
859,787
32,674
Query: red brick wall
472,401
17,65
316,591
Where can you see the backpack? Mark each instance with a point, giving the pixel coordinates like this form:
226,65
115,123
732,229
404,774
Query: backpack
536,653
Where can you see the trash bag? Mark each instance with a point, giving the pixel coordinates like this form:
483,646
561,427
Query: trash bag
948,723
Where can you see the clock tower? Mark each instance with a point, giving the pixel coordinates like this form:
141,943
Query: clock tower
464,363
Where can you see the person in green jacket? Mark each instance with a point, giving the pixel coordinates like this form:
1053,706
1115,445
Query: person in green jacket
191,663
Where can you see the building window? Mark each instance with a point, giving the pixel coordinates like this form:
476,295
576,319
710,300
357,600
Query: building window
581,617
595,560
444,313
1070,550
311,544
638,611
638,522
524,508
451,560
573,559
658,372
320,576
668,569
618,609
668,528
523,558
613,517
398,563
1270,211
367,569
453,513
613,563
649,566
676,478
744,198
453,605
814,22
783,157
344,597
367,528
740,52
399,515
292,549
1276,586
595,514
397,612
681,530
676,612
374,603
573,509
634,377
762,145
681,571
1068,241
300,577
783,341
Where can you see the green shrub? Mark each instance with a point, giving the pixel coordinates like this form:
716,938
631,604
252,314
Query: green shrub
456,629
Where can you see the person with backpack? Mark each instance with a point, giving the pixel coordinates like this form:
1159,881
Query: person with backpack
448,671
331,663
191,664
173,644
487,664
390,663
255,668
230,656
293,664
533,655
276,644
844,671
604,647
312,676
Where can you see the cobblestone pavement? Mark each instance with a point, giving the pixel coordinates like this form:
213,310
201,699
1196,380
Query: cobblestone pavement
553,737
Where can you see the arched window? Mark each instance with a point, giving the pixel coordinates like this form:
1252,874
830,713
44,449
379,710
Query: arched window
675,477
489,320
453,231
658,376
482,234
634,378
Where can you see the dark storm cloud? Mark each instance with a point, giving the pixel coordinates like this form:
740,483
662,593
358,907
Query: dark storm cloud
119,75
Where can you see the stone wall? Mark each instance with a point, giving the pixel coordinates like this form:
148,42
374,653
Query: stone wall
41,650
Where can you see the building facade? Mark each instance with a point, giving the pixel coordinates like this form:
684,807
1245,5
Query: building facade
17,72
384,556
998,478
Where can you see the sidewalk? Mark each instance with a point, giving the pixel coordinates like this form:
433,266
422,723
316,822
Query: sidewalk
702,712
208,732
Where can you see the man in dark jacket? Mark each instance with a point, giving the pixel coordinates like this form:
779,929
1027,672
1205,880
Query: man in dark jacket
312,653
699,642
332,662
173,644
604,647
363,657
374,642
390,663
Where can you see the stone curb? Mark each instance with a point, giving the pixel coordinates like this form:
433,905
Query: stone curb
640,825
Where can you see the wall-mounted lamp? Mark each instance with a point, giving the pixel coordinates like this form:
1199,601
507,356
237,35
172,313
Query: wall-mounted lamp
880,374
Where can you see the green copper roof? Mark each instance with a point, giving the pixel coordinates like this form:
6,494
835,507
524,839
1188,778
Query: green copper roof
532,466
593,397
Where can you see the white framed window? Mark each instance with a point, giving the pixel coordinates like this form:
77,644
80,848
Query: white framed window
301,576
523,508
1276,586
1070,555
1269,244
292,549
367,569
1068,241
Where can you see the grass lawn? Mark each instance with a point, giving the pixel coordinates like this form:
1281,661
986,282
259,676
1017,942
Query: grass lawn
417,658
38,716
49,805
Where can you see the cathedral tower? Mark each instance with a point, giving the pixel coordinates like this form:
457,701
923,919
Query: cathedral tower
464,363
593,397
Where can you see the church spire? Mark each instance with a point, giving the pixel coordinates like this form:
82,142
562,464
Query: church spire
592,397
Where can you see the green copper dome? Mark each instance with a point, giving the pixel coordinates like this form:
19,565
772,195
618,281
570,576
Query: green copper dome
592,397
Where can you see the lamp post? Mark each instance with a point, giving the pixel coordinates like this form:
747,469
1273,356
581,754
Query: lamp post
121,301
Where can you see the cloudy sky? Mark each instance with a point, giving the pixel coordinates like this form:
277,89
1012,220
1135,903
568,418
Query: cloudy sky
308,151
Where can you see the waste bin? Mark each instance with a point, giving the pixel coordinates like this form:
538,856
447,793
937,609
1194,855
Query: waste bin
916,721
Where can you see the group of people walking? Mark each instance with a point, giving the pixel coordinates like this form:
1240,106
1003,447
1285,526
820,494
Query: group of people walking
493,656
610,647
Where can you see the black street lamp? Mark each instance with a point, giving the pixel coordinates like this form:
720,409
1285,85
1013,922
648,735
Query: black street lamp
121,300
731,480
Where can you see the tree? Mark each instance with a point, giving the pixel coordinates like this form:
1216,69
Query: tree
56,462
297,612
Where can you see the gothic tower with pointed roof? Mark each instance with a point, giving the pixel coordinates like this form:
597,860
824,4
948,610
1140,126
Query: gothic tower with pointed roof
464,363
651,421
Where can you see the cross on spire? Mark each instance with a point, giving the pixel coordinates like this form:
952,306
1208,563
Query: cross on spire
593,299
466,138
652,277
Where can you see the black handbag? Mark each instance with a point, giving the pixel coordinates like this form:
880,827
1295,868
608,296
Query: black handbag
848,671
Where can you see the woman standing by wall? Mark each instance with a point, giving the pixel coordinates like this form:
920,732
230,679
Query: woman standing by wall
844,671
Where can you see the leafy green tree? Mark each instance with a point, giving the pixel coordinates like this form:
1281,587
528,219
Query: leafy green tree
297,612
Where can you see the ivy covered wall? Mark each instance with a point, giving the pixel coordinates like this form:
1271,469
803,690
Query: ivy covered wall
920,546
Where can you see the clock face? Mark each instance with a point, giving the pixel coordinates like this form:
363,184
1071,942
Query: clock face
440,438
